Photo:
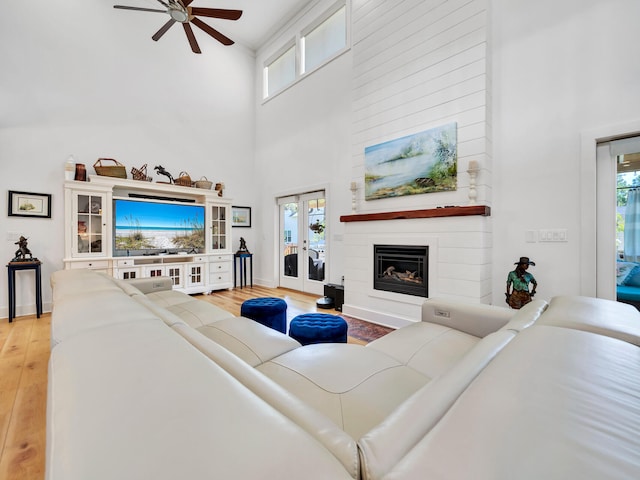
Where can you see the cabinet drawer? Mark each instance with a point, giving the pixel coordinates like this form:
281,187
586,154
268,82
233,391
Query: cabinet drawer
90,264
199,259
216,278
129,262
220,258
219,267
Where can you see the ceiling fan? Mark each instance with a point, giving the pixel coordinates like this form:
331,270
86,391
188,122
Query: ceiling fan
180,11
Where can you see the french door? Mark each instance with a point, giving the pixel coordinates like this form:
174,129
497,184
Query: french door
303,250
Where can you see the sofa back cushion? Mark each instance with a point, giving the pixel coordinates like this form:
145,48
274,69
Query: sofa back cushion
555,403
340,444
384,446
596,315
138,401
475,319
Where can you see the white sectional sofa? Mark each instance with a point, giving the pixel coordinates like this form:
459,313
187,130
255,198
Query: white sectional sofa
145,382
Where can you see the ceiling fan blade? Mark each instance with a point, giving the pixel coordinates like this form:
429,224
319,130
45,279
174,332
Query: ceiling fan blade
163,30
124,7
191,37
212,31
186,3
217,13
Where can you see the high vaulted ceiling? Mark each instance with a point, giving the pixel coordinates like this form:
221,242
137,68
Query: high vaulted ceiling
260,18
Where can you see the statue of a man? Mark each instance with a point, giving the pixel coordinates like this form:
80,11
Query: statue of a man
520,279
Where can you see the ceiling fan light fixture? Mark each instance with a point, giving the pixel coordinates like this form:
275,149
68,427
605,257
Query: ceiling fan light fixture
178,15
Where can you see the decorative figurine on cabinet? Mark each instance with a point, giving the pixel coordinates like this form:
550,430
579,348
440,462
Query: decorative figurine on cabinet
520,279
243,246
160,170
23,251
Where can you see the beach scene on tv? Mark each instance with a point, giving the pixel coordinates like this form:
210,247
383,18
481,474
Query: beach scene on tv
148,227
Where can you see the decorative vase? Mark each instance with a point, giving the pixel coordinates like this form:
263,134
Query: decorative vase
81,172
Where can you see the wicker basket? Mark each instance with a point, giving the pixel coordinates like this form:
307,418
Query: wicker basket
118,170
140,173
203,183
183,179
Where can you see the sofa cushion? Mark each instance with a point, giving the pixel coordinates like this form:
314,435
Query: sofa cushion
78,313
633,279
426,347
624,271
474,319
343,447
554,404
628,292
605,317
137,401
382,447
526,316
253,342
80,282
195,313
355,398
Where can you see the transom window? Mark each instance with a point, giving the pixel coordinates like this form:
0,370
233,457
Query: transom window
313,47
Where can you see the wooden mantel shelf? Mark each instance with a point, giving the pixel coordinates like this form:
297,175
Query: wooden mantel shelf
483,210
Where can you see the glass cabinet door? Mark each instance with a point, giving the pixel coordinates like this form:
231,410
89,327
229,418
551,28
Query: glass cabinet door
89,223
219,228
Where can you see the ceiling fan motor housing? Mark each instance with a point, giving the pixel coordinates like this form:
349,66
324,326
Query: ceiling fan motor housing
178,14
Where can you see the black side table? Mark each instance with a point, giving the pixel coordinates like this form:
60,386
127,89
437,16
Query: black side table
12,267
240,263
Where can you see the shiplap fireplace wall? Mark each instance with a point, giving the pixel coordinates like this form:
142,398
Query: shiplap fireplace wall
419,64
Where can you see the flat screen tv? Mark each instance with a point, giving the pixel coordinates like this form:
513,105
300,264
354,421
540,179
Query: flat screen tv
146,227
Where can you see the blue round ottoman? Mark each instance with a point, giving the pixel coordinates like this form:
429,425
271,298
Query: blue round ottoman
270,312
318,328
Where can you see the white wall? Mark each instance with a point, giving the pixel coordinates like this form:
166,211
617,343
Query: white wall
560,69
302,144
420,65
83,78
555,71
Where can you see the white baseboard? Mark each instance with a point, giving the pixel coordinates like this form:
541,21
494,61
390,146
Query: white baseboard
23,310
376,317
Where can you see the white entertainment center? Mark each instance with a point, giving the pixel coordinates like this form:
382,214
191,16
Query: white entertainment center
90,234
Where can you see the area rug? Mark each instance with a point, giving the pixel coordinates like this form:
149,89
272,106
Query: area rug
365,331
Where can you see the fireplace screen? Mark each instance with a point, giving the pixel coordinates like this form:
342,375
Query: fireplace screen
401,269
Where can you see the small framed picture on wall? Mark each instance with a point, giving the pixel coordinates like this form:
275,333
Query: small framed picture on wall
26,204
240,216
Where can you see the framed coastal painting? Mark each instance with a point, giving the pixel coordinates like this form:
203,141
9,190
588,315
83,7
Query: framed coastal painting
25,204
424,162
240,216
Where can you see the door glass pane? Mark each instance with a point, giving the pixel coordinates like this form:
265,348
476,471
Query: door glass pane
316,235
289,225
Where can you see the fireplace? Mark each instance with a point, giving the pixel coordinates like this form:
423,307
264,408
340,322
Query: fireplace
401,269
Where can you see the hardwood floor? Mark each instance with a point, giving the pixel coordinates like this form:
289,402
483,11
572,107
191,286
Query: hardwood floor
24,357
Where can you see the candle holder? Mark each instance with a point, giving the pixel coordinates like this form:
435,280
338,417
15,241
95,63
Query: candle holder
473,174
354,189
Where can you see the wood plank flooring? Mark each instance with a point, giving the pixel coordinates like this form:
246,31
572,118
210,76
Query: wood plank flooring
24,356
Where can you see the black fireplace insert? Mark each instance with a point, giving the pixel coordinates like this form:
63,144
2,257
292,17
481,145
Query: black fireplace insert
401,269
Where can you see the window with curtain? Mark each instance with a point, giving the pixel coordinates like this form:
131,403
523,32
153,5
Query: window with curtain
632,226
625,151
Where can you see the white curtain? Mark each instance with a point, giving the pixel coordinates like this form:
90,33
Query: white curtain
632,227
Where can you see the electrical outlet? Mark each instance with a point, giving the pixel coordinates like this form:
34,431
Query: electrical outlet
442,313
13,236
